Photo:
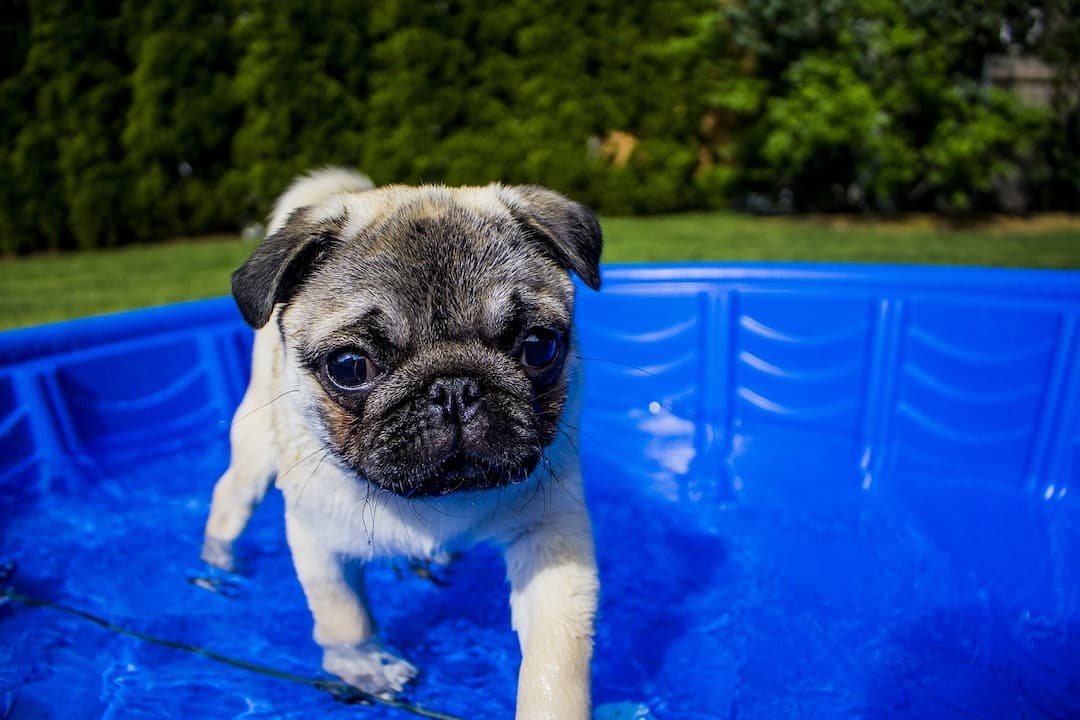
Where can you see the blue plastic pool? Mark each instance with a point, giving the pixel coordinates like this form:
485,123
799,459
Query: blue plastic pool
817,491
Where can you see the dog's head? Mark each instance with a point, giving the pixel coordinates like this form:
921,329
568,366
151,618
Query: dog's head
427,329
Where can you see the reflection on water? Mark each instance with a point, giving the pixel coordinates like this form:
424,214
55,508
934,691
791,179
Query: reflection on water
757,604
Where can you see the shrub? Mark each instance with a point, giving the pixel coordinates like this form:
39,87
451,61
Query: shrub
128,120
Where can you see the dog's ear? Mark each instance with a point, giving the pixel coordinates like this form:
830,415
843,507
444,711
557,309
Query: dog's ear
276,268
566,230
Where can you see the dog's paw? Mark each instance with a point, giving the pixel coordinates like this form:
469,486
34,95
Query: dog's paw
369,667
219,553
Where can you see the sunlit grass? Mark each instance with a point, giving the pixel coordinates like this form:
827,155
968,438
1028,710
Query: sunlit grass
46,288
1051,242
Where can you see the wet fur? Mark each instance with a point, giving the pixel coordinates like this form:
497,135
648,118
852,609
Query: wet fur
435,282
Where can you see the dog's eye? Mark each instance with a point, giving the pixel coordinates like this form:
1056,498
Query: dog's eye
540,348
349,369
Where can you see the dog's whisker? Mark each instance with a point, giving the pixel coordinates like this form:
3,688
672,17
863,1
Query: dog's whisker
629,366
537,489
401,516
499,496
245,416
567,428
580,500
300,495
367,504
301,461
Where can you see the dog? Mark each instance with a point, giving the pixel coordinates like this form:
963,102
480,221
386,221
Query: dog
415,390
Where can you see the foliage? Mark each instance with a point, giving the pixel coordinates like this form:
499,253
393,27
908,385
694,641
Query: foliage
879,104
60,143
135,120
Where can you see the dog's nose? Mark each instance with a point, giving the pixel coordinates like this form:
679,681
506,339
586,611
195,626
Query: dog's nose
454,398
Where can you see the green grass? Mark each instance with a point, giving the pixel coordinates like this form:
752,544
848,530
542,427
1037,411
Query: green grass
1049,242
46,288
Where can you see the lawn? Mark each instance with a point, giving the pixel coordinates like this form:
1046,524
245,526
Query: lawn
45,288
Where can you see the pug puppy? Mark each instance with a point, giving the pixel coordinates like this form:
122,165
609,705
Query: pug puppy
414,390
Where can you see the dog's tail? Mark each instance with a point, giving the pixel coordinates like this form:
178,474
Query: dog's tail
315,187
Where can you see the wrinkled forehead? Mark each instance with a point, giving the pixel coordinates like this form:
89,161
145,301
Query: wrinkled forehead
431,264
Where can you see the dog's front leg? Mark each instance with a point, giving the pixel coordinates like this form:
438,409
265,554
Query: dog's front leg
253,460
553,602
334,588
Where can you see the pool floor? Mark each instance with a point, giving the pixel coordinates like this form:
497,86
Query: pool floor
716,608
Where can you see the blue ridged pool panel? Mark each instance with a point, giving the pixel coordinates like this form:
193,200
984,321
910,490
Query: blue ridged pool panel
818,491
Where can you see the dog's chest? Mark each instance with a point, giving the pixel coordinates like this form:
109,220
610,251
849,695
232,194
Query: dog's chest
351,517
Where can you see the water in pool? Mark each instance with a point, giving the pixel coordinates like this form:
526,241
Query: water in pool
716,603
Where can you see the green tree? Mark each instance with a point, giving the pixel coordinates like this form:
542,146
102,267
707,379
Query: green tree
300,83
27,159
878,103
182,117
65,185
79,54
137,119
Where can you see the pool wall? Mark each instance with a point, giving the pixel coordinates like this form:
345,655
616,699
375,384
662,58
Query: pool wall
943,401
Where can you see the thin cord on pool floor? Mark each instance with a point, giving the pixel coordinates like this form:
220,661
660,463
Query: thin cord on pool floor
338,689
